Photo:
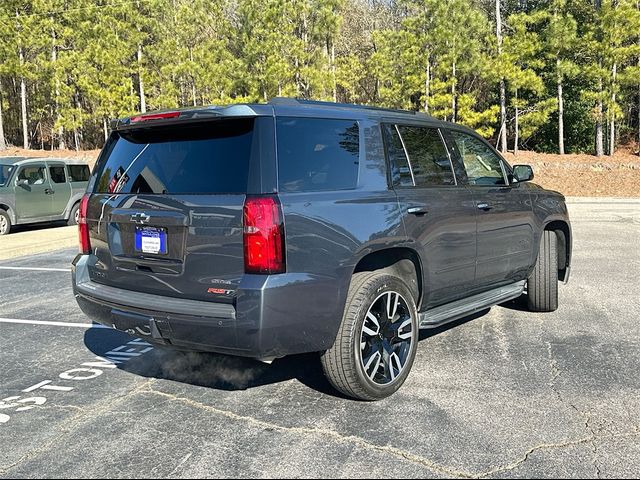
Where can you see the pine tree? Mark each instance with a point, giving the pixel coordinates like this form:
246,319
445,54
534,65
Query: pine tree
560,42
620,24
503,96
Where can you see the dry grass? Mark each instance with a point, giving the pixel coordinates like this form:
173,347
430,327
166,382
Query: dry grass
585,175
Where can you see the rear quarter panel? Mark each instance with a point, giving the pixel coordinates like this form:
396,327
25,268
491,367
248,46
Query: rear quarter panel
327,233
78,189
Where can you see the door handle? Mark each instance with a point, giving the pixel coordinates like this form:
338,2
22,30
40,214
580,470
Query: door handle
484,206
48,191
417,210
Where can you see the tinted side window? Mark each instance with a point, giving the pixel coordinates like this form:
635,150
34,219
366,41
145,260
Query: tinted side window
428,156
57,174
5,173
79,173
212,157
33,175
400,171
317,154
482,164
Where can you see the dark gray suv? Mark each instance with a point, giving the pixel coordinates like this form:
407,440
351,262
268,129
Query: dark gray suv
296,226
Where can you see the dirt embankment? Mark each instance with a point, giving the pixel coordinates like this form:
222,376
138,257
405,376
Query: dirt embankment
573,175
89,156
585,175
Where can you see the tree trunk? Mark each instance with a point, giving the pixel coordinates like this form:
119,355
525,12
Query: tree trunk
454,105
76,131
612,112
3,143
23,101
503,117
599,132
638,5
56,94
517,126
560,113
503,91
427,87
333,72
599,107
143,101
105,129
194,93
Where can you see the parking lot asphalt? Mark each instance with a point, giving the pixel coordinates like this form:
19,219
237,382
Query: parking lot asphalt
506,393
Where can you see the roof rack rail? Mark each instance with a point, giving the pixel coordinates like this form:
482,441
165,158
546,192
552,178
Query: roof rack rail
302,101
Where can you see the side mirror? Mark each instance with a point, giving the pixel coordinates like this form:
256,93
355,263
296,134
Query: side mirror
522,173
22,182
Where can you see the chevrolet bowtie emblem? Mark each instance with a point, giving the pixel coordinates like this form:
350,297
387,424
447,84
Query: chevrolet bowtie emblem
140,218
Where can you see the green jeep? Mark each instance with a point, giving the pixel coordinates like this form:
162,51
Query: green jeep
34,190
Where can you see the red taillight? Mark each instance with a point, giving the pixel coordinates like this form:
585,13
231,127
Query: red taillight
263,235
154,116
83,228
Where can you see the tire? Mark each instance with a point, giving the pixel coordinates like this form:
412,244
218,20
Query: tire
542,285
395,341
73,215
5,223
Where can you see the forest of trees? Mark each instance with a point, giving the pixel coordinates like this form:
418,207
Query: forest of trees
549,75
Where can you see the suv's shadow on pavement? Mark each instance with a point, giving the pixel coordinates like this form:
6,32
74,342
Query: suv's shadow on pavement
222,372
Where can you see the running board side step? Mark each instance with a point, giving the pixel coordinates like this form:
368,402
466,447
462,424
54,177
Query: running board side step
461,308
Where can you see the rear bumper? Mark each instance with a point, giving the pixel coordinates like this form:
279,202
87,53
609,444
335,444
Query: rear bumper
273,316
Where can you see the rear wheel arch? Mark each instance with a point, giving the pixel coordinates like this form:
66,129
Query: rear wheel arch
71,214
563,236
401,262
75,200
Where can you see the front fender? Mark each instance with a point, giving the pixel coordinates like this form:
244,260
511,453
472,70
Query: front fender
551,213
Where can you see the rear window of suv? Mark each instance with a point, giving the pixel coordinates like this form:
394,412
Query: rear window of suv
212,157
317,154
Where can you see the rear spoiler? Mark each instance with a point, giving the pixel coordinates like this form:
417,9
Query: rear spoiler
191,115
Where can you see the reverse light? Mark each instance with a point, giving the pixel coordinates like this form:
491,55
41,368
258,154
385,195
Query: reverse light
83,227
154,116
263,235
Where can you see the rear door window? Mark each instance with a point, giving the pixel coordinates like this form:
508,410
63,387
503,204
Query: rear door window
212,157
57,174
317,154
428,156
78,173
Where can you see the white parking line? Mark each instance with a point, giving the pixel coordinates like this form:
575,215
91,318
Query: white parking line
37,269
53,324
